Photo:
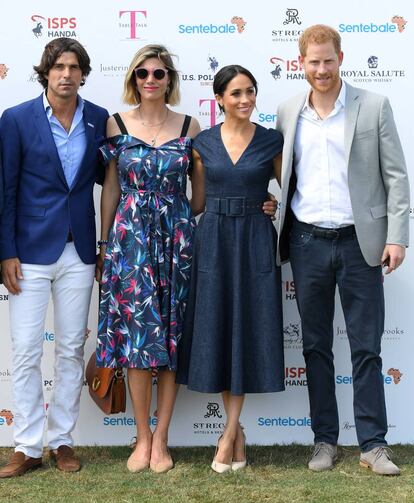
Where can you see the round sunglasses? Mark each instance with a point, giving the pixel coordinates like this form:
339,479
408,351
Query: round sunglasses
158,73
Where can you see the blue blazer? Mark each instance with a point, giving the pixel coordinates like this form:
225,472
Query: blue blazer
39,207
1,185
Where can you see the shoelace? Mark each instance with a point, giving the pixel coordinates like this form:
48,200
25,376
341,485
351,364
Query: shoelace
322,447
383,451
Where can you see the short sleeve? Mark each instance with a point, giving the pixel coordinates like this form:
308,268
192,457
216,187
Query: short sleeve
108,151
275,142
200,141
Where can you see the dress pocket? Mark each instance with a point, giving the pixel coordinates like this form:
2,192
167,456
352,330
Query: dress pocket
207,235
264,242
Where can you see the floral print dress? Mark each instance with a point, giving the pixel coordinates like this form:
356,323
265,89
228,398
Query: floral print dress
145,279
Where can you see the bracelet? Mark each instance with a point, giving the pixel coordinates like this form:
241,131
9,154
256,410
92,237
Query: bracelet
102,242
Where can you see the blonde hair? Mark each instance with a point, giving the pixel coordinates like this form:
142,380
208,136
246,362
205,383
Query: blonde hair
131,95
319,34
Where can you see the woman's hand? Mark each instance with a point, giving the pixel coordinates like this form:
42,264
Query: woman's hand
99,264
270,206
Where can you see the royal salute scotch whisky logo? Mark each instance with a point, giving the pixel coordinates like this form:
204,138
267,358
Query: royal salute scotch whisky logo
211,422
3,71
374,70
290,29
132,24
53,27
6,417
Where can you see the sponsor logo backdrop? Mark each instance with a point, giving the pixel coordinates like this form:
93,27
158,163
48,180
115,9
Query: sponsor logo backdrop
376,42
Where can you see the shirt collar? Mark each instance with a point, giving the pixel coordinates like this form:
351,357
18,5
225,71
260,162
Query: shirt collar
48,108
339,103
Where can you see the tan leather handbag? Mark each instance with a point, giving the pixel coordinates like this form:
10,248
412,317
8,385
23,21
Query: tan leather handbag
106,387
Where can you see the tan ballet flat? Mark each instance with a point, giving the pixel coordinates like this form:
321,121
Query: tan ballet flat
135,465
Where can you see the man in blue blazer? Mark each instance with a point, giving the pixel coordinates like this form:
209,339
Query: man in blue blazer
49,148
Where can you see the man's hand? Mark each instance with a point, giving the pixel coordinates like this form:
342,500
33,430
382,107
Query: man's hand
12,272
270,206
392,257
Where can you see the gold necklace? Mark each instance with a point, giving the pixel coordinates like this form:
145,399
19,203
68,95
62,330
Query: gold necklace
160,124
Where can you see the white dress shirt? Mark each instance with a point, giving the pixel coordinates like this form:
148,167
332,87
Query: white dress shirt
322,193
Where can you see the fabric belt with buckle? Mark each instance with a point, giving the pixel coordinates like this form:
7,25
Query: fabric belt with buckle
324,232
233,206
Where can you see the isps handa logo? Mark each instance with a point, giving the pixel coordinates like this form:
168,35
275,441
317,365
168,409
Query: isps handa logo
53,27
212,422
288,289
237,24
295,376
288,69
3,71
6,417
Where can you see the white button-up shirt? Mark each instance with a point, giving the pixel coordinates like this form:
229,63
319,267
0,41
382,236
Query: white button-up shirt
322,193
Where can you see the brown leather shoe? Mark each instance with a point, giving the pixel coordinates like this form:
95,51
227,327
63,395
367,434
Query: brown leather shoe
19,465
65,458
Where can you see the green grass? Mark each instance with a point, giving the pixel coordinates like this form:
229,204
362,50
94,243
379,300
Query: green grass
274,474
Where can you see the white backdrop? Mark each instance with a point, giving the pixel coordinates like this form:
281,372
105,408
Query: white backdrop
262,37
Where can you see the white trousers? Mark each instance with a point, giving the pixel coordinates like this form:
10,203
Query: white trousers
70,282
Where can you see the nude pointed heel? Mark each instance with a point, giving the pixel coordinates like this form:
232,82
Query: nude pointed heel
219,467
239,465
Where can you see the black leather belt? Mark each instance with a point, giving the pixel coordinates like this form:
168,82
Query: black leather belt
324,232
233,206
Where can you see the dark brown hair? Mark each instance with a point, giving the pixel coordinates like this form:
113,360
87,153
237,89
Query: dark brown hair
53,50
226,74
